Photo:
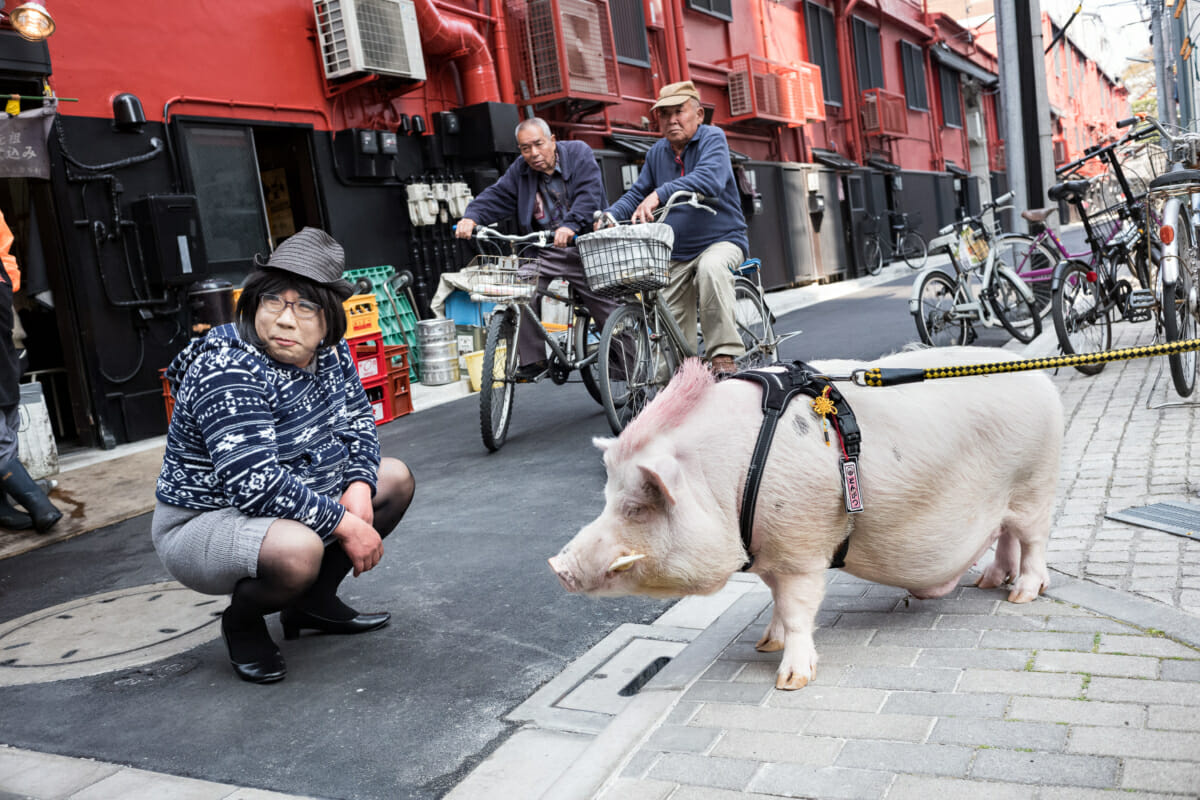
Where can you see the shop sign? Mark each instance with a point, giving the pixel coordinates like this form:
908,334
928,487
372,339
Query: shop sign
24,152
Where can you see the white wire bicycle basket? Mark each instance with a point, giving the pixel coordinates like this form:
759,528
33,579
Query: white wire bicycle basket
626,259
501,279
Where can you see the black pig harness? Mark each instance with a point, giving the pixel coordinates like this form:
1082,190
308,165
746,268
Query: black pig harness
778,389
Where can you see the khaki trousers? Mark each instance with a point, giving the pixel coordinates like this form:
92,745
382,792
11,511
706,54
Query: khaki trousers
706,281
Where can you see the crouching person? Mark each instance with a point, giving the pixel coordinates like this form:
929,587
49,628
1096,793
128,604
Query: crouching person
272,488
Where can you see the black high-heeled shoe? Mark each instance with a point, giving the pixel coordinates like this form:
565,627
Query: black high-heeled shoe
294,620
259,660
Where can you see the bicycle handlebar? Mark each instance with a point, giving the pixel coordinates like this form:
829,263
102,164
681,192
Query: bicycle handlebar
536,238
693,199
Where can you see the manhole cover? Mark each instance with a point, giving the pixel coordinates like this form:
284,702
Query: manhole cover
106,632
1181,519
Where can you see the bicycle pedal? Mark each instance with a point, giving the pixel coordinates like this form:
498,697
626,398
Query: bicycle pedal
1138,315
1142,299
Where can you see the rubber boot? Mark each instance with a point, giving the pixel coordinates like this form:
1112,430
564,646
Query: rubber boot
16,482
14,520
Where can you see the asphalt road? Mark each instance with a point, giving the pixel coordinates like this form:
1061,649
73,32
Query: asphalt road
479,620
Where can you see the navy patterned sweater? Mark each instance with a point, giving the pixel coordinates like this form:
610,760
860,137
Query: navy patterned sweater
267,438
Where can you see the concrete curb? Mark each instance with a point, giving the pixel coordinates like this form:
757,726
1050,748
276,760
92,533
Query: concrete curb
606,755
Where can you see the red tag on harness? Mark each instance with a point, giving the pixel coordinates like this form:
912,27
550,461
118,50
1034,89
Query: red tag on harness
851,491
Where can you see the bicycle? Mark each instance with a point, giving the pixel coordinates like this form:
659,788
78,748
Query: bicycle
946,306
642,344
910,244
511,282
1179,274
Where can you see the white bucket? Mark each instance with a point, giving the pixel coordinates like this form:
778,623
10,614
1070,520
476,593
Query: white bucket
36,448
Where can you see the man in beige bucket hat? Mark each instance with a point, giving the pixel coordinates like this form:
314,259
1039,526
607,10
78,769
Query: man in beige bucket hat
694,157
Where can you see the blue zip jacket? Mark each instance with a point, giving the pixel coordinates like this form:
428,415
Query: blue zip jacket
707,170
516,190
266,438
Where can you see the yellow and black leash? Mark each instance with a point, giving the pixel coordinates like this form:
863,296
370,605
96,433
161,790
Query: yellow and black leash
877,376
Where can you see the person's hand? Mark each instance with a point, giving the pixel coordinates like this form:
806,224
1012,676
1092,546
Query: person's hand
357,500
464,228
645,210
362,543
563,236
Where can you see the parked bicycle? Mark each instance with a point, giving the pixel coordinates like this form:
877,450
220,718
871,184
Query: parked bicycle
642,345
511,281
1175,192
1089,295
909,243
983,287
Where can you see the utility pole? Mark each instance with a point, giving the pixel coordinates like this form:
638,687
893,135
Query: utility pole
1029,150
1160,32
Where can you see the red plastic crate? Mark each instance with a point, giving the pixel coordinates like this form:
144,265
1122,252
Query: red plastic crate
380,398
402,402
370,356
397,357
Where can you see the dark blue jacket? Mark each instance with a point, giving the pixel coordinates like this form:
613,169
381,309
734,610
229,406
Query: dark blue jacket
707,170
517,188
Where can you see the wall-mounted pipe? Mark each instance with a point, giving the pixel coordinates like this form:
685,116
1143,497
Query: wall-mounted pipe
458,40
676,11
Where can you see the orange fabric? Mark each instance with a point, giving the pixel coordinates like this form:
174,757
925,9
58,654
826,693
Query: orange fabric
10,261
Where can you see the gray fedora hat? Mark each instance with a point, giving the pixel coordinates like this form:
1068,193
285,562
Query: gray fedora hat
313,254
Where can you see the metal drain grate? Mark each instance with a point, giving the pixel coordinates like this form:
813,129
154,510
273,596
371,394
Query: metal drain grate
1181,519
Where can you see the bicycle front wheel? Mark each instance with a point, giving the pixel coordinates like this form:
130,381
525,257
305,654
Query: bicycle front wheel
587,343
753,320
496,384
872,255
937,323
1016,313
914,249
1082,319
635,364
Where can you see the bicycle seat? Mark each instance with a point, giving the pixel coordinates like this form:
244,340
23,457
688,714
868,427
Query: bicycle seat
1071,191
1175,178
748,267
1038,214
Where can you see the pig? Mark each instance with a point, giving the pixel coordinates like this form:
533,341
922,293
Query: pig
948,468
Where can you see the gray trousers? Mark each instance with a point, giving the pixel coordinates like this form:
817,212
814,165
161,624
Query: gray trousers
562,262
706,281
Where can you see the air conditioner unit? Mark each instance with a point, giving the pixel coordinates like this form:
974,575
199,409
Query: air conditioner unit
369,36
583,40
870,113
583,68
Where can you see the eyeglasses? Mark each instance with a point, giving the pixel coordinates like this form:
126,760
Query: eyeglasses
303,309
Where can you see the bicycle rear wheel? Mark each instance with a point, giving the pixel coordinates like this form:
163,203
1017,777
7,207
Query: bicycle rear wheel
1034,263
496,384
914,249
636,363
937,324
1082,319
587,341
753,320
872,254
1016,313
1179,305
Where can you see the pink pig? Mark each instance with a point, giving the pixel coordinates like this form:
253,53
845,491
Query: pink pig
948,468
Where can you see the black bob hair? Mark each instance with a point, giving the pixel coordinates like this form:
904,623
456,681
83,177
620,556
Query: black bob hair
274,281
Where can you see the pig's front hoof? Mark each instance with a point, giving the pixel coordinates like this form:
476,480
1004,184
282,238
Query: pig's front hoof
1026,591
768,645
791,681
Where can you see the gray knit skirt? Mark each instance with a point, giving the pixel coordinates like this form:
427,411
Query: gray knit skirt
208,551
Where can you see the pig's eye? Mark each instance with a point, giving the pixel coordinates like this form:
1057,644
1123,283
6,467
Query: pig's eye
633,511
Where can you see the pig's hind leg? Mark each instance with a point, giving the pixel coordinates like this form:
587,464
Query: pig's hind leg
773,636
1021,554
797,598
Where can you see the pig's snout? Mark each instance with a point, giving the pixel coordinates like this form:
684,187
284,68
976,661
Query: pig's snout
568,581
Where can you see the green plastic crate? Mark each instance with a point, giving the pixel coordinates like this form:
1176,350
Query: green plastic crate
396,318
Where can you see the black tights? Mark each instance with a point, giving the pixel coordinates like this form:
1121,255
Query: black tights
308,577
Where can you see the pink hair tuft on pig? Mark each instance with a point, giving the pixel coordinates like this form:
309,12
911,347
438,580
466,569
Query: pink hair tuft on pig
669,409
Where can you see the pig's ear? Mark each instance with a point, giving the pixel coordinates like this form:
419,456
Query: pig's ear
603,443
663,476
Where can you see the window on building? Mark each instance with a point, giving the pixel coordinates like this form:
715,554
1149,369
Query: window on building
951,99
913,61
254,185
629,32
822,50
717,8
868,56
